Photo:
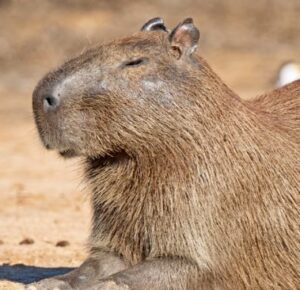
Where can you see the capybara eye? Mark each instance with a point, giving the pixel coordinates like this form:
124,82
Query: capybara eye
135,62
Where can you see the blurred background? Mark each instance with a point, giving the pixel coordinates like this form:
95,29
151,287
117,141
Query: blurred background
44,211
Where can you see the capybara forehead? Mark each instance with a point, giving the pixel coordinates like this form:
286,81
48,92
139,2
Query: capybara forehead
145,43
151,44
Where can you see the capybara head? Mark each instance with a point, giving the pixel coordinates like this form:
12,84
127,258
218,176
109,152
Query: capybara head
117,96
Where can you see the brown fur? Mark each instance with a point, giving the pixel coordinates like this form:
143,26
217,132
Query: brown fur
180,168
283,108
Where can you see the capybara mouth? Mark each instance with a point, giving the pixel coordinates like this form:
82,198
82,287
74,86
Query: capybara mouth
109,159
68,153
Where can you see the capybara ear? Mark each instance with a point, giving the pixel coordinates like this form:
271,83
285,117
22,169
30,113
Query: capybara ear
184,38
154,24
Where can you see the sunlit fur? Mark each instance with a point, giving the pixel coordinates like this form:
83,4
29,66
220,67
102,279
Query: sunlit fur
191,171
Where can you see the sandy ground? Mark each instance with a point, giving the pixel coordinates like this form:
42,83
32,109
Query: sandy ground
42,203
43,200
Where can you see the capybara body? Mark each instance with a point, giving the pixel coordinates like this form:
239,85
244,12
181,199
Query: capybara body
192,187
282,107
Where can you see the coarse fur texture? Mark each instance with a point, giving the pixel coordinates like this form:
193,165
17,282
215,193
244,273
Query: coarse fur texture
192,187
283,108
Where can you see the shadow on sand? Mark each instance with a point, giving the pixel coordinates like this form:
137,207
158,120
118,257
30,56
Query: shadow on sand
27,274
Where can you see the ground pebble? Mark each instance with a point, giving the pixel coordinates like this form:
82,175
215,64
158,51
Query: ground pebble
27,241
62,244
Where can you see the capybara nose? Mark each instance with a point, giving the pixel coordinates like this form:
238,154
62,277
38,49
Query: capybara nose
50,103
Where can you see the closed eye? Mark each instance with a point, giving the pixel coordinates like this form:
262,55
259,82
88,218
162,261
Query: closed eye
135,62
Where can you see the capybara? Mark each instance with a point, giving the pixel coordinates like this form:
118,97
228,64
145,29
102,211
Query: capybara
191,187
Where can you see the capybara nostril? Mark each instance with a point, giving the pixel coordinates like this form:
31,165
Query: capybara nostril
50,102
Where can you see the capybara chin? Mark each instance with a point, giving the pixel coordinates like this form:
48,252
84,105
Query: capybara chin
192,187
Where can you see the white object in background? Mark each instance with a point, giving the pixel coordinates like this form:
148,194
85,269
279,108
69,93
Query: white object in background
288,73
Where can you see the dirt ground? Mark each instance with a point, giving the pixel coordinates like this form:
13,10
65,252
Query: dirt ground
44,205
